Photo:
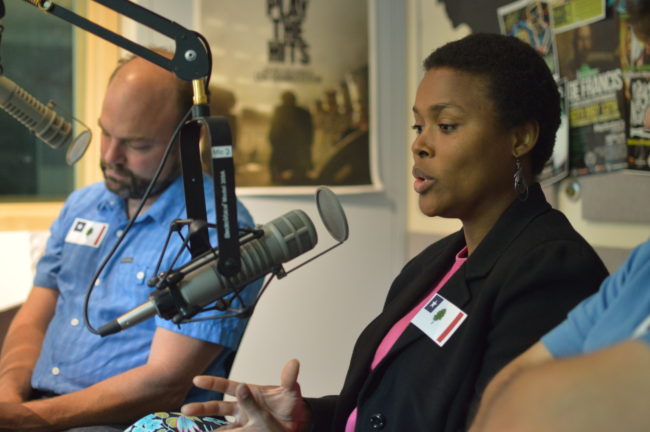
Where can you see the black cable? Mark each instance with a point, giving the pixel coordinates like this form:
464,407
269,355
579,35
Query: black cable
144,199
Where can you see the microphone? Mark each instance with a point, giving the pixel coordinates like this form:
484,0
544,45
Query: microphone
199,282
46,124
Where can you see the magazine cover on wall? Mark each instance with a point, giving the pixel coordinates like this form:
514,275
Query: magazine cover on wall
529,21
292,78
588,60
570,14
635,62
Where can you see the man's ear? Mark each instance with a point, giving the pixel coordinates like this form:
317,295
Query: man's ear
525,138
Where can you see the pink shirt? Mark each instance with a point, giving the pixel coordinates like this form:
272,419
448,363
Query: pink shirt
398,328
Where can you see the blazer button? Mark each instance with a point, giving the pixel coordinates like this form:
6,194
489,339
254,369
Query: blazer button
377,421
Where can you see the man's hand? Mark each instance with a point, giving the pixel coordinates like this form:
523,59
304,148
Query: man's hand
258,408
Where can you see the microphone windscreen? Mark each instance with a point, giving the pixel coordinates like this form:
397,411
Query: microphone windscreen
332,214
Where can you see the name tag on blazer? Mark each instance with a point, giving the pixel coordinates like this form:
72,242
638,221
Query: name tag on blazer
86,232
439,319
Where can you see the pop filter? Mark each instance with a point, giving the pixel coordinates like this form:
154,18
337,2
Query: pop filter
332,214
334,219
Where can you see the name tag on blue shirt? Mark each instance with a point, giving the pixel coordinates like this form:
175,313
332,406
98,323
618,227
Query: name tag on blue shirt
86,232
439,319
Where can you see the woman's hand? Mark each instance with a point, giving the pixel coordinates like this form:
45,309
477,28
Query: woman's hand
258,408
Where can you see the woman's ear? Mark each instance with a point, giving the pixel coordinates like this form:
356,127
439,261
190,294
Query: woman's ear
525,138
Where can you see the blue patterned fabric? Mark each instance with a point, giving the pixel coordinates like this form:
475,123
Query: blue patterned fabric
89,224
175,422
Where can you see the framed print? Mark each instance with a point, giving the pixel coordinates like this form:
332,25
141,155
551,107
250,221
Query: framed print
291,76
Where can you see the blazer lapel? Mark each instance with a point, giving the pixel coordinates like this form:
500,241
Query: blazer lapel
507,228
409,288
418,278
431,271
456,290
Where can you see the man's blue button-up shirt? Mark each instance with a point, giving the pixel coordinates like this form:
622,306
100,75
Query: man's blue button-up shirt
90,223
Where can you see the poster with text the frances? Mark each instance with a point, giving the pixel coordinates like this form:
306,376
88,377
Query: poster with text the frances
595,90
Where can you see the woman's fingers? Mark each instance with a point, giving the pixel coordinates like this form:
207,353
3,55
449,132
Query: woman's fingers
289,374
216,384
211,408
259,419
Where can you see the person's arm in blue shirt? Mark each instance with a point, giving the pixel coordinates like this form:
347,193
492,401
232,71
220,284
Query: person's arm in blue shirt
23,342
161,384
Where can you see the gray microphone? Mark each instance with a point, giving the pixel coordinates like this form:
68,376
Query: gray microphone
283,239
40,119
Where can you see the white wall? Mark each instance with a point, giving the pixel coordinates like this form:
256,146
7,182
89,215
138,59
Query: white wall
316,313
19,251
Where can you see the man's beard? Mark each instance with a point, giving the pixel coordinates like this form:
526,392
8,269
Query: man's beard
136,186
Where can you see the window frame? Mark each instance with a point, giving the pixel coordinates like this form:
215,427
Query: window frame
94,61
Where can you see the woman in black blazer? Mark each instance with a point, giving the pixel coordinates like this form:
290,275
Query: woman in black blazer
486,113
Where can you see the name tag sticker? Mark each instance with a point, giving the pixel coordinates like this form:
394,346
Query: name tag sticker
439,319
221,152
86,233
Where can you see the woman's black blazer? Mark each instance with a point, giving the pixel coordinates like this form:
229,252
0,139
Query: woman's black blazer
521,281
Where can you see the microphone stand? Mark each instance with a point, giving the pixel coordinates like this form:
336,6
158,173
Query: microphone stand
191,62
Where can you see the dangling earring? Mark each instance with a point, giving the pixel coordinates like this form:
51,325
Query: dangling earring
520,183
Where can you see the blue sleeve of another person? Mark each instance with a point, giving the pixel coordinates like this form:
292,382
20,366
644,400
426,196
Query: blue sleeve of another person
619,311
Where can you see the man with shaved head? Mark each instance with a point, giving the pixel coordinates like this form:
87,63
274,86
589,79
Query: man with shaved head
54,373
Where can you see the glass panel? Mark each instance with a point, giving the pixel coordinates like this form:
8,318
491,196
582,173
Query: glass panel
37,54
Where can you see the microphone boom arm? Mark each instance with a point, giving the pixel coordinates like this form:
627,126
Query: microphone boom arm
191,59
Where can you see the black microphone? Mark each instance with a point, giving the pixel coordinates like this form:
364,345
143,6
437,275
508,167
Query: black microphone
200,282
51,128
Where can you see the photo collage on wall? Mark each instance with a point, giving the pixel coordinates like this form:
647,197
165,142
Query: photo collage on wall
603,71
291,76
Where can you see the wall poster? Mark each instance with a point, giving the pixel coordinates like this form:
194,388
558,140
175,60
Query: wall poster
569,14
596,94
635,62
291,76
529,21
606,73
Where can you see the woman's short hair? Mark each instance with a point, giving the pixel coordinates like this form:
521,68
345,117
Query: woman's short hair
519,82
